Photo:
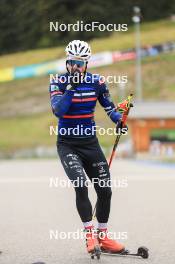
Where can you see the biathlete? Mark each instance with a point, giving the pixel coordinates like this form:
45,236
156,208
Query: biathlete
73,99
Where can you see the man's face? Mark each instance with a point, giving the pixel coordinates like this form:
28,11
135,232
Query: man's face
76,66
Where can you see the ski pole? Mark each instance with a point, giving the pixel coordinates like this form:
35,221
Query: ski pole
124,119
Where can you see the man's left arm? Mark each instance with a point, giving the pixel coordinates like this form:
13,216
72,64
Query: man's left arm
105,100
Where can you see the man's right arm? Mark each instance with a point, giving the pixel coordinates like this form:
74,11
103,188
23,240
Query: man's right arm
61,99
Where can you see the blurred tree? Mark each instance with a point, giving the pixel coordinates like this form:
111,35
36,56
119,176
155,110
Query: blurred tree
25,24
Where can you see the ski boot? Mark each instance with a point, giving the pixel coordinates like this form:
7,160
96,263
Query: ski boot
109,245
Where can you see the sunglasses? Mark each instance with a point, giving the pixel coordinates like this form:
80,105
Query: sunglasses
77,62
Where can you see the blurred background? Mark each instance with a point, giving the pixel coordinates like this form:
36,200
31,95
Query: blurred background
145,53
145,159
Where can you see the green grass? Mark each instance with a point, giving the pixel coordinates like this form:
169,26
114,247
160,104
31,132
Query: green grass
26,132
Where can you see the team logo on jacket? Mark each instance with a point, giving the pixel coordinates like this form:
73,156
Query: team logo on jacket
54,88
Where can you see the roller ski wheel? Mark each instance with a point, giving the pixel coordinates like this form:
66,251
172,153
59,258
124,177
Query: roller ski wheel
141,252
96,253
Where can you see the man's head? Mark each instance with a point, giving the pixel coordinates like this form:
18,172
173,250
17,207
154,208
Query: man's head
78,53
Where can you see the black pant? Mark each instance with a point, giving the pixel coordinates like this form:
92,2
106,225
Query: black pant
84,156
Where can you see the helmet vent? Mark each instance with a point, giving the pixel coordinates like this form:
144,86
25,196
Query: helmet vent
75,48
82,49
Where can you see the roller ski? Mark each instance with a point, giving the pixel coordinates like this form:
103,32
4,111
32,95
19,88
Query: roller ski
141,252
113,248
92,245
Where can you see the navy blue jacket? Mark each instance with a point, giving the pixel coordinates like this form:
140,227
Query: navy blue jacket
76,107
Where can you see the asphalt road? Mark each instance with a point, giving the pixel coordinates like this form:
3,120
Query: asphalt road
39,222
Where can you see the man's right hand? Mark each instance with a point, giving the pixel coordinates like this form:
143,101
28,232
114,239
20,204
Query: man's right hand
74,81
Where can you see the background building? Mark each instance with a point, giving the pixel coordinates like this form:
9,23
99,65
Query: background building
153,122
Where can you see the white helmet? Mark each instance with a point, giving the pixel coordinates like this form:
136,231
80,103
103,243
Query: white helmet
78,49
